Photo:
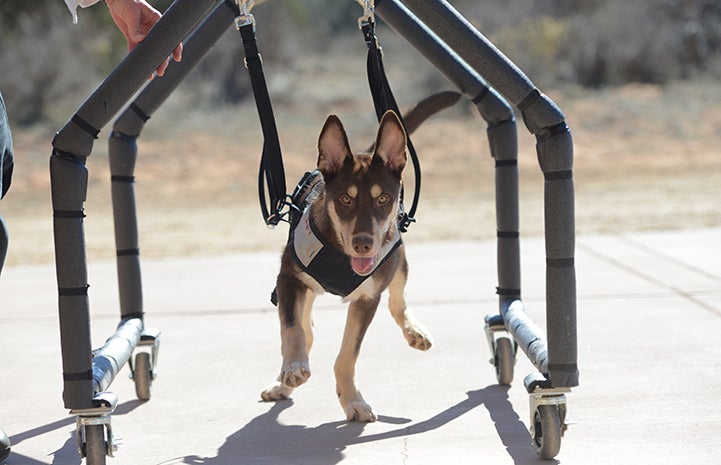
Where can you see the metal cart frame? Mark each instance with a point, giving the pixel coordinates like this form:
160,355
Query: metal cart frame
479,70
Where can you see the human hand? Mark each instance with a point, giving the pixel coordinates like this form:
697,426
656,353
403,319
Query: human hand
135,18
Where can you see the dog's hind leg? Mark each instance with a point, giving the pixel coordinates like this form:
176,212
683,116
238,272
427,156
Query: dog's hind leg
294,306
415,332
360,315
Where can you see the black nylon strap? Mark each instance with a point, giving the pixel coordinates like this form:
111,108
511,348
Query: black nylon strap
511,162
129,316
79,376
383,101
564,367
85,126
118,178
552,131
138,111
127,252
125,137
271,164
68,214
481,95
501,291
560,262
73,291
529,99
558,175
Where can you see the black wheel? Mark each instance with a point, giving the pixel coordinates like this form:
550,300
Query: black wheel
143,375
96,449
547,431
4,446
504,360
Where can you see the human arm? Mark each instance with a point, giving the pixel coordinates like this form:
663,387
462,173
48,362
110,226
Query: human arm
134,18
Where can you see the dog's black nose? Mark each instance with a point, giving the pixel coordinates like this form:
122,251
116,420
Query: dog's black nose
362,243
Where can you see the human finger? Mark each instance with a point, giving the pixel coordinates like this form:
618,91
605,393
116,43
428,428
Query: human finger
163,66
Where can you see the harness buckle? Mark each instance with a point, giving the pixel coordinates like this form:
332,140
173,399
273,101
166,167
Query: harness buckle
245,18
404,220
368,13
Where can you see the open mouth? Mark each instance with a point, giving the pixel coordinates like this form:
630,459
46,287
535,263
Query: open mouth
363,265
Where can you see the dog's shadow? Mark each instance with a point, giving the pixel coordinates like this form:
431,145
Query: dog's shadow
266,440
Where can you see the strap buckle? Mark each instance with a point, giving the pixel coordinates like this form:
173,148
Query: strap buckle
284,211
245,18
368,13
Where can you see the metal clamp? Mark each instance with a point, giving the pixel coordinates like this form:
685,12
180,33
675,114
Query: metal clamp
493,324
104,404
150,337
368,12
245,17
541,392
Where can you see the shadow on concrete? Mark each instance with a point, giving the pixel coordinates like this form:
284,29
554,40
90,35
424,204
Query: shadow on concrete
266,441
68,453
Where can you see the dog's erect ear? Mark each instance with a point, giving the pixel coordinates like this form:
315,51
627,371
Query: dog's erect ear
333,147
390,146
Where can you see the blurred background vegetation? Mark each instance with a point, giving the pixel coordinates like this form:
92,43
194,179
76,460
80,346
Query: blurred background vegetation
48,65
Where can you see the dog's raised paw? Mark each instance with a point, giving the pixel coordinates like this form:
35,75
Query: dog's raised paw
295,374
418,336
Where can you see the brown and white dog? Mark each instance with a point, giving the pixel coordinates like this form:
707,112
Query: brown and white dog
353,220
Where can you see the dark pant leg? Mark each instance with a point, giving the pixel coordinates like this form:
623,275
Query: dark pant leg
6,171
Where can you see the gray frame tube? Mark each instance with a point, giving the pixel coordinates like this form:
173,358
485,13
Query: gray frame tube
501,132
115,353
526,333
554,148
68,179
122,150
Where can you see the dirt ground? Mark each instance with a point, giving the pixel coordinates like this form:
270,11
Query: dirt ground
646,157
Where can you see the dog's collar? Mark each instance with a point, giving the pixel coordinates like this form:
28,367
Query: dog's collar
325,263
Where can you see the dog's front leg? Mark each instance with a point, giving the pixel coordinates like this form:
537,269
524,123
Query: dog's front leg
415,332
294,307
360,315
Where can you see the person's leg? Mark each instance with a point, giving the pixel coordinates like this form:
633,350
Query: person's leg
6,150
3,242
6,171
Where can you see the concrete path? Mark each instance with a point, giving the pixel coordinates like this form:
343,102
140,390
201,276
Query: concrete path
649,318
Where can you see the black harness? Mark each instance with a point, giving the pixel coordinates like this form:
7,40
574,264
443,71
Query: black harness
330,267
327,265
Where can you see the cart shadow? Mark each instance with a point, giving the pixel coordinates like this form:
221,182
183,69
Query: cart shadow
265,440
67,454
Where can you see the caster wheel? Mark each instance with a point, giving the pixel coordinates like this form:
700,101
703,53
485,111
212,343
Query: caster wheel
504,360
96,449
143,375
546,431
4,446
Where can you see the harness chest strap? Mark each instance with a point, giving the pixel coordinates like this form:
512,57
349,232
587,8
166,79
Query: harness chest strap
326,264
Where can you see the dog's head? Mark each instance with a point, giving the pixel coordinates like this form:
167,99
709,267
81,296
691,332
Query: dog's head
362,191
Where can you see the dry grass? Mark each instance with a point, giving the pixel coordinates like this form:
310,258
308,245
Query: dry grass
646,157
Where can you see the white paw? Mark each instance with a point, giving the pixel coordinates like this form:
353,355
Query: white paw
295,374
355,408
418,336
276,391
359,411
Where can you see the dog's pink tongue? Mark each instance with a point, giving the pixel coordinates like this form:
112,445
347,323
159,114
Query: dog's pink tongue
362,265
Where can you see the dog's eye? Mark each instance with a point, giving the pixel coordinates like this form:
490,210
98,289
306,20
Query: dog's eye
383,199
345,199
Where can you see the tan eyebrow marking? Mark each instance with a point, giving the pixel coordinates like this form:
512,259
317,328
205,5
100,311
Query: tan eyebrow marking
376,190
352,190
